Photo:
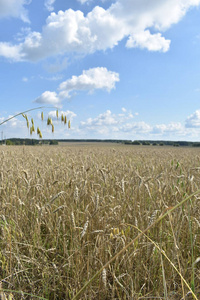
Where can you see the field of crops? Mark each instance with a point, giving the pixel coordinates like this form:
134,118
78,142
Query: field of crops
71,219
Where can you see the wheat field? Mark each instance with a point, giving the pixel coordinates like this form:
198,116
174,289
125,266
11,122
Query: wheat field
65,211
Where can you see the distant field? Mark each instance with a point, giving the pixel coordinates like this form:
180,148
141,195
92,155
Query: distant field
66,210
87,144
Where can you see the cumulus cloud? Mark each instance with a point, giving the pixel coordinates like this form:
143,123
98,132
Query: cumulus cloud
48,98
10,52
171,128
102,120
193,121
71,31
108,123
14,127
89,80
14,8
136,127
124,126
152,42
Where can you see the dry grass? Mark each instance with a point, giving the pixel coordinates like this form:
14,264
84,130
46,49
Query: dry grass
66,211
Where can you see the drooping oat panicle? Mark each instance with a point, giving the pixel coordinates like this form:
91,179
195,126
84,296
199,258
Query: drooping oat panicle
65,121
57,114
49,121
116,231
39,133
27,121
52,129
69,124
42,116
62,118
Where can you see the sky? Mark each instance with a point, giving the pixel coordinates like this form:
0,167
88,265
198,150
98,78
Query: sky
118,69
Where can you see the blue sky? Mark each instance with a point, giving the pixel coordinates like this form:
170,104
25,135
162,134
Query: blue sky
119,69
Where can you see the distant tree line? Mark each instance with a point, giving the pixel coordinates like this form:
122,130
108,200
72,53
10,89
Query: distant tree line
18,141
162,143
31,142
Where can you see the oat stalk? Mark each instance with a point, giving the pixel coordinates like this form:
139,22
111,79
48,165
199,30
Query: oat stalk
21,113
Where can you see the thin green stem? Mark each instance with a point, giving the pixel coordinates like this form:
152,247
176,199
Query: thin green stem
21,292
165,255
192,249
21,113
162,216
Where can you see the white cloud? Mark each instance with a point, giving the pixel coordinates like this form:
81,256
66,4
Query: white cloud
14,8
193,121
49,4
108,123
90,80
136,128
71,31
121,126
171,128
102,120
153,42
13,127
48,98
10,52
